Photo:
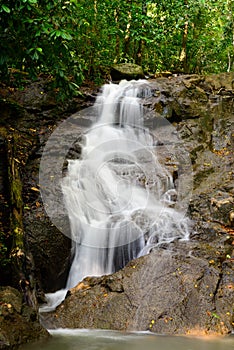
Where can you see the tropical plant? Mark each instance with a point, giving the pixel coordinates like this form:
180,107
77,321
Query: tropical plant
72,40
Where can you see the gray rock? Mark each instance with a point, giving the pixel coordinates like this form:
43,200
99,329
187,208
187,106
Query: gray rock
126,71
174,291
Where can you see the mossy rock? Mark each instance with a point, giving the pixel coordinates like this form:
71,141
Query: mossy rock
126,71
18,322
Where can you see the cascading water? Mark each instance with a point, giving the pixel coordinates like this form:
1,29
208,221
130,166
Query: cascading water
119,197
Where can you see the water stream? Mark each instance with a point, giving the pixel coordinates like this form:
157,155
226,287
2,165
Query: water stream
120,198
113,340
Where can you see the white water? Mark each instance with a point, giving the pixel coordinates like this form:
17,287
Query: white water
118,196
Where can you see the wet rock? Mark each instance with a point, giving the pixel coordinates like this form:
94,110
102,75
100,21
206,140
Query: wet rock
221,207
45,241
174,291
224,295
18,322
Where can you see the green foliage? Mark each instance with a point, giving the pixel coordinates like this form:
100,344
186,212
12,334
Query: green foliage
36,37
70,40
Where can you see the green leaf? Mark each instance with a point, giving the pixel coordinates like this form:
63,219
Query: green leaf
35,56
6,8
61,74
58,33
66,36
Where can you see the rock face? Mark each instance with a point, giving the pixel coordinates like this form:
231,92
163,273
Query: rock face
28,118
32,115
18,323
126,71
176,291
184,287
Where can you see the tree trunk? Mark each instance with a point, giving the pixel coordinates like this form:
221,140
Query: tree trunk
231,54
21,261
127,33
141,42
117,43
183,53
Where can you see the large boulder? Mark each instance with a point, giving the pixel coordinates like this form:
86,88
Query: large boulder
126,71
181,290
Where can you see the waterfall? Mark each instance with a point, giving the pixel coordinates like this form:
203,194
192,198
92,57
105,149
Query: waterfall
120,197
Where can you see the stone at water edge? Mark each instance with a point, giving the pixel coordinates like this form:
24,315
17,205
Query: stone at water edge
165,292
18,322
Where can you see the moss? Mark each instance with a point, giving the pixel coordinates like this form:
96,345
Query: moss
16,192
194,152
126,71
202,176
18,323
3,132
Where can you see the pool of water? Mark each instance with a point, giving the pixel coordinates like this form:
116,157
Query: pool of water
67,339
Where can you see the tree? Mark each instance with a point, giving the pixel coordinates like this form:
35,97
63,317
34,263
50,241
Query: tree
36,37
71,40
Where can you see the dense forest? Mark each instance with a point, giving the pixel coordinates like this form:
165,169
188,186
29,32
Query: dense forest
72,40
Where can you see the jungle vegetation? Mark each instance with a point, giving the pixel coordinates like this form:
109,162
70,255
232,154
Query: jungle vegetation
73,40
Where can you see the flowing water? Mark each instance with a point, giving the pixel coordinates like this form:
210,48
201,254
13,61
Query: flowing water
112,340
120,198
116,193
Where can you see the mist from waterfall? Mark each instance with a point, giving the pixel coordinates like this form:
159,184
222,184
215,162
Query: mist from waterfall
120,198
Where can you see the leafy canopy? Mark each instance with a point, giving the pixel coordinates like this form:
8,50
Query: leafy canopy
75,39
